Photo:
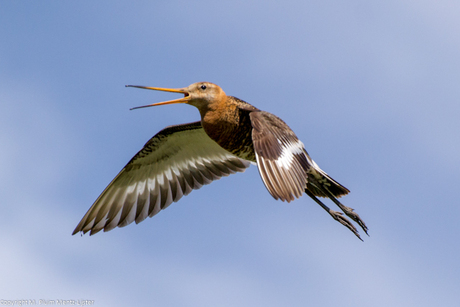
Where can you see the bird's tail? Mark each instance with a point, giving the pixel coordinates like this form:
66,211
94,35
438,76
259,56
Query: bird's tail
324,181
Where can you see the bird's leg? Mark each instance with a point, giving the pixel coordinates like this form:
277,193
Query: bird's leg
347,210
338,216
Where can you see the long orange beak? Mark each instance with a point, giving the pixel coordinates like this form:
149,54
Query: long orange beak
185,99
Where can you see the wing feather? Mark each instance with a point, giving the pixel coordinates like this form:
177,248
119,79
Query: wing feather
174,162
280,156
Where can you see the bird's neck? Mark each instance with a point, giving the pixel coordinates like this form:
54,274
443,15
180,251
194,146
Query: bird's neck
224,111
230,127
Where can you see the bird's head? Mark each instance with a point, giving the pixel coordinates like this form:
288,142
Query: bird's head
203,95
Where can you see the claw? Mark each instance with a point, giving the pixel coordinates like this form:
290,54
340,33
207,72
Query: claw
348,211
338,216
354,216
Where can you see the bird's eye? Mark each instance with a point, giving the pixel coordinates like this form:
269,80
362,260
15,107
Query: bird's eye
203,87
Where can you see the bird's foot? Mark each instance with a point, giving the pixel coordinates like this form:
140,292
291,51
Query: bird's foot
350,212
338,216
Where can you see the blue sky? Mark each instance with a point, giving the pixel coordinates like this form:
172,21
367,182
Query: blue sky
370,87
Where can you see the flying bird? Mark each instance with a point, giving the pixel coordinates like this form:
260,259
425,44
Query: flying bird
230,136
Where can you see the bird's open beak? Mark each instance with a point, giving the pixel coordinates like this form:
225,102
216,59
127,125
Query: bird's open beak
185,99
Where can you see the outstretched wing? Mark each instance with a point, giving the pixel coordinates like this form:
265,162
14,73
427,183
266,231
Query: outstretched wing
280,156
177,160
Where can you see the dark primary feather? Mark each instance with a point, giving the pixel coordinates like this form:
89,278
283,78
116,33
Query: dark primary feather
174,162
